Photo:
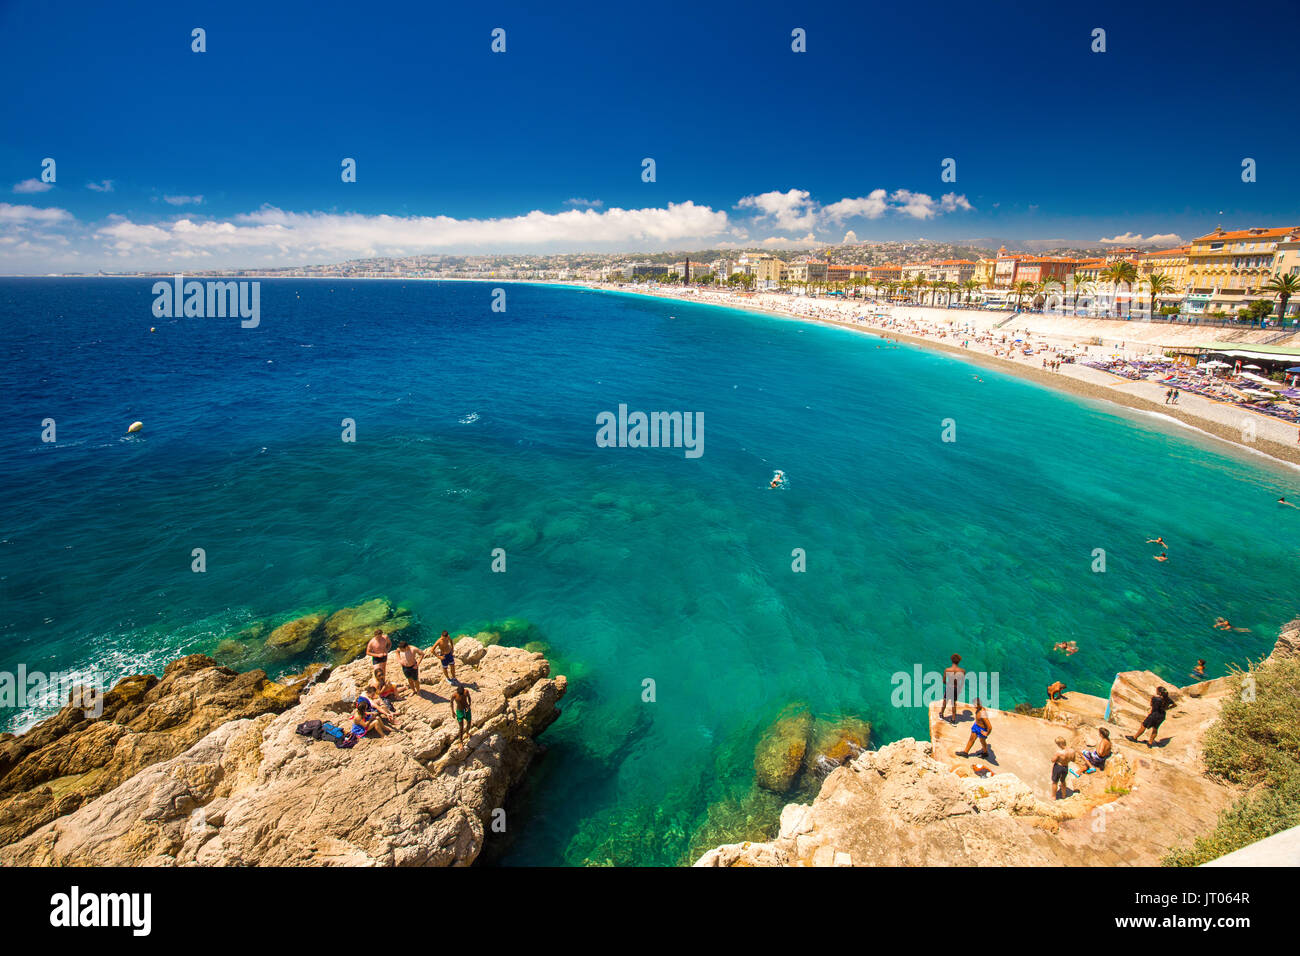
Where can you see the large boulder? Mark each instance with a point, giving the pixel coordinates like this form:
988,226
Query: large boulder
294,637
350,629
838,739
780,751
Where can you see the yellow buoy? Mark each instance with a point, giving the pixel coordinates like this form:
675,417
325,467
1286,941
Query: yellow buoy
135,427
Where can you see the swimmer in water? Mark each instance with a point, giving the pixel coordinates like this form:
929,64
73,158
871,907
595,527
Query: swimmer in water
1199,669
1223,624
1283,501
778,480
1159,541
1161,557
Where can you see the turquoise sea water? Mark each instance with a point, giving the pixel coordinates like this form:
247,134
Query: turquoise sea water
476,430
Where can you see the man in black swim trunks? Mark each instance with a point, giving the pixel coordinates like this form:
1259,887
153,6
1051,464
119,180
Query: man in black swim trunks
409,657
954,677
446,656
378,648
1061,768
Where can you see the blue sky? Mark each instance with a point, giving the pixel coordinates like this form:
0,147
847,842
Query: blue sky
1051,140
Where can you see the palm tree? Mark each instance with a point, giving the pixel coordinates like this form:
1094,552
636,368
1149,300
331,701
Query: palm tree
970,286
1159,284
1283,287
1022,288
1120,273
1078,281
1045,288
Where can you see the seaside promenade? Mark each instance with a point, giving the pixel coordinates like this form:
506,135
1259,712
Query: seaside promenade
986,338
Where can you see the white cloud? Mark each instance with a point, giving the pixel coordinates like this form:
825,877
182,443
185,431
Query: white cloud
103,186
277,235
1135,239
24,214
796,209
584,203
32,186
793,209
850,238
184,200
871,206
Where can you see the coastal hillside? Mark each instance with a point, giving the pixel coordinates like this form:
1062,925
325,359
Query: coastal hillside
251,790
917,803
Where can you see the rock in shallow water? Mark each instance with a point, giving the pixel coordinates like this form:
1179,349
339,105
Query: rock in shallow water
779,754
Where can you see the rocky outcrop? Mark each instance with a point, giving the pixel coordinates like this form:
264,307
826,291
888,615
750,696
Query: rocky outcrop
1288,642
924,803
252,791
72,758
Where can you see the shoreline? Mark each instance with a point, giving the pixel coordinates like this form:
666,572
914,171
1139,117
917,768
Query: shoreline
1067,380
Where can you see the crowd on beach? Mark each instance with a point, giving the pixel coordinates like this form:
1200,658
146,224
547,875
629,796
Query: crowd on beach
375,712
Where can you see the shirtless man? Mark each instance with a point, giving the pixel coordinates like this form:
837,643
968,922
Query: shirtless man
446,657
378,649
979,730
460,709
1094,758
1065,755
409,657
953,679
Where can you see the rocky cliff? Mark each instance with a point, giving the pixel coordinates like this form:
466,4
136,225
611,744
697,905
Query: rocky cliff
239,786
919,803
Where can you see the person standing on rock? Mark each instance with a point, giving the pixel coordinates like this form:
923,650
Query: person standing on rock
460,709
980,729
953,678
1160,703
1061,768
409,657
378,649
446,656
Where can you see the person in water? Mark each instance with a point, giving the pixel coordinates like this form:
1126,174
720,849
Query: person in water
778,480
460,709
1283,501
1159,541
954,676
446,656
378,649
980,730
409,657
1199,669
1160,704
1061,768
1223,624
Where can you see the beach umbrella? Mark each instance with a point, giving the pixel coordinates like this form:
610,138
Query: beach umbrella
1293,370
1255,367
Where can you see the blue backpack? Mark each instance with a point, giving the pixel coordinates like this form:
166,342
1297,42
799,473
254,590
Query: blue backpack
342,738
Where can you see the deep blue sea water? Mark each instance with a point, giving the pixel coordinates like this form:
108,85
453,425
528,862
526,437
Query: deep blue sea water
476,430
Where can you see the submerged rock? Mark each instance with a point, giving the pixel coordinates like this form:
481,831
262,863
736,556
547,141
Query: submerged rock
780,753
295,636
836,739
349,630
